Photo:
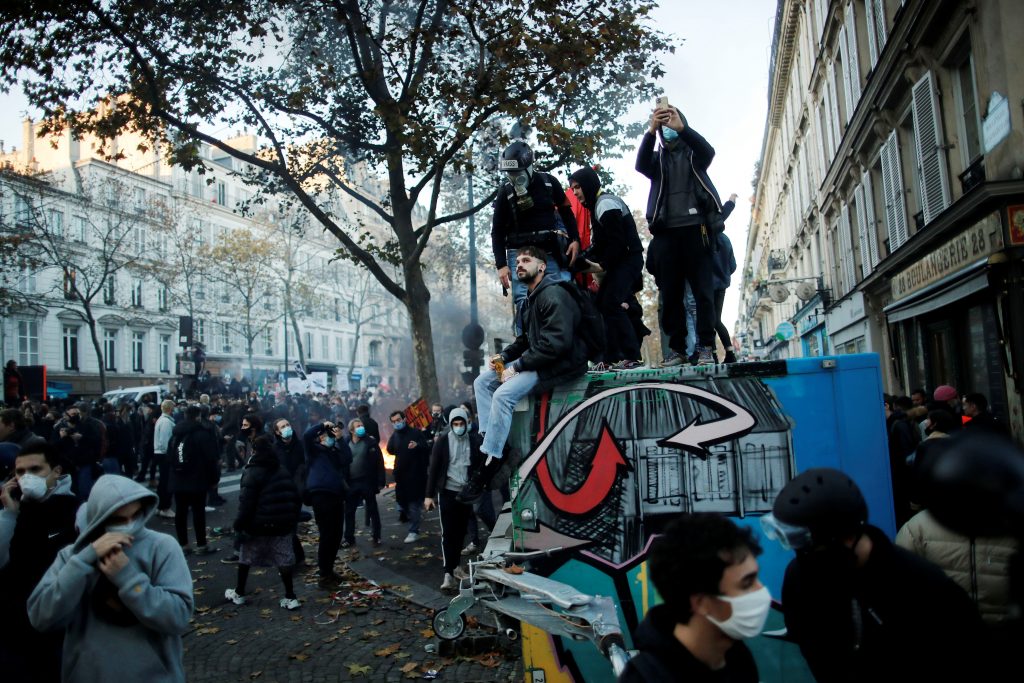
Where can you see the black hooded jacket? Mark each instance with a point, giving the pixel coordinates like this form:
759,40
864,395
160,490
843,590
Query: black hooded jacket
193,451
268,501
653,164
614,236
549,345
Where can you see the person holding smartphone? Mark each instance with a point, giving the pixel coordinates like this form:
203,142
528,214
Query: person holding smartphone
684,214
37,520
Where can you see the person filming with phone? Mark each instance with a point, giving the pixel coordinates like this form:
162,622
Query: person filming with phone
684,213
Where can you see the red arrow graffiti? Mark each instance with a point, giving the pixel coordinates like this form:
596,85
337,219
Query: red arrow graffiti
598,484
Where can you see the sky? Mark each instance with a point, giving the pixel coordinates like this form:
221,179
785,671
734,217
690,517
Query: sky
718,78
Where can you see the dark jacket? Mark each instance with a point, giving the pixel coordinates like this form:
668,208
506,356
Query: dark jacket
41,529
25,438
898,616
327,467
193,455
89,449
723,263
664,659
410,464
14,387
652,163
508,221
549,345
268,500
437,472
376,476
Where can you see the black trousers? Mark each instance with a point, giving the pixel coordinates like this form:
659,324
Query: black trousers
163,468
197,502
361,491
677,256
454,521
723,331
619,286
329,513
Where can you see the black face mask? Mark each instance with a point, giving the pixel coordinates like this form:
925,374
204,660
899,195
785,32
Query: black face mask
73,419
835,561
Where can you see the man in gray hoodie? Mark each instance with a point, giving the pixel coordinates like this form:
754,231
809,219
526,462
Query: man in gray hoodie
121,592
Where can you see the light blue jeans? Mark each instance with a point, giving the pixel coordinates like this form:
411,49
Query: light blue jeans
495,402
520,290
691,321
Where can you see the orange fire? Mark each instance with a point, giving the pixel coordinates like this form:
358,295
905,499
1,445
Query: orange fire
389,460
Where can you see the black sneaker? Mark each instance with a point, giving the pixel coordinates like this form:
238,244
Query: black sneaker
230,559
730,357
478,482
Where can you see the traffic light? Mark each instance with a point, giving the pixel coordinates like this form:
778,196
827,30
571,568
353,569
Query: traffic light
473,358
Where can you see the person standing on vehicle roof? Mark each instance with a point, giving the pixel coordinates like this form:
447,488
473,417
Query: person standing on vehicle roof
684,213
531,209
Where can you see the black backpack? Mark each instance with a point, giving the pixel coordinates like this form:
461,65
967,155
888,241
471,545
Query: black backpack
182,453
591,329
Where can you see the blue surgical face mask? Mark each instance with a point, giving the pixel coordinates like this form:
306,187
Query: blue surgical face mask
399,426
460,430
287,433
669,134
360,431
130,529
329,442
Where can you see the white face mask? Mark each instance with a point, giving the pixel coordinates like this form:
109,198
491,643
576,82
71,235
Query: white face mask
33,487
749,614
460,430
131,528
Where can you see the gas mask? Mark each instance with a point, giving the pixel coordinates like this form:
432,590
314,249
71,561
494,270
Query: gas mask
521,183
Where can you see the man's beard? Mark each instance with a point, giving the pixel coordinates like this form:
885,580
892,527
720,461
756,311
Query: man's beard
527,279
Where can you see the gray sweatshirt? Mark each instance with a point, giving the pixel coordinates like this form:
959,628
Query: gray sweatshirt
128,627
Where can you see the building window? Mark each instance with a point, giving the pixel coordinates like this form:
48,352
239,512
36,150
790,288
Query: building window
307,343
137,293
139,239
109,291
337,310
140,200
110,350
375,358
391,355
55,221
324,350
162,297
138,351
199,330
268,342
222,193
69,284
79,230
70,348
26,277
337,348
28,342
225,338
966,89
22,212
200,292
351,312
165,353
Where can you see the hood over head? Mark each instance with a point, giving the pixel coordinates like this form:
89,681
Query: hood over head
458,413
589,183
111,492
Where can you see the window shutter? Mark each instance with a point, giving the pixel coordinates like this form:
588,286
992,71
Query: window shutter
862,228
892,190
878,25
931,157
846,245
870,223
851,54
869,22
833,111
844,58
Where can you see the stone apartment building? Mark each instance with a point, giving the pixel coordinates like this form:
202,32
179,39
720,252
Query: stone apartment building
889,207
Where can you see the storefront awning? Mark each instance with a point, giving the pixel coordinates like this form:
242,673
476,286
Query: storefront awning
957,286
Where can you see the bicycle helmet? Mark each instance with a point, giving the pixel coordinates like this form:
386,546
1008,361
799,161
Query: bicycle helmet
816,506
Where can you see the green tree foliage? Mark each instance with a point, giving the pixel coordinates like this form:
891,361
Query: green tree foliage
342,91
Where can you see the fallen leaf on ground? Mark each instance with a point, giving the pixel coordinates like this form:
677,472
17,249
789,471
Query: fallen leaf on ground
301,656
401,655
296,618
371,634
427,633
408,667
358,669
377,622
208,630
255,674
331,639
231,642
389,650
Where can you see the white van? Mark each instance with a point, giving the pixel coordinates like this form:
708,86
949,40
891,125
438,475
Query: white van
153,393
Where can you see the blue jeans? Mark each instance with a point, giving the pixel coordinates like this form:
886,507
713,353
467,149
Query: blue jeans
414,511
495,402
691,320
520,290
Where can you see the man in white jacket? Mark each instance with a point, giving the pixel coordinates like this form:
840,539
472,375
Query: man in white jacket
161,439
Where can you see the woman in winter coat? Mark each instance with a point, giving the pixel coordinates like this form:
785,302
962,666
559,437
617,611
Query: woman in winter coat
268,512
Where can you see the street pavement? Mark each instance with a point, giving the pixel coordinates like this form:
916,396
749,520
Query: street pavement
376,627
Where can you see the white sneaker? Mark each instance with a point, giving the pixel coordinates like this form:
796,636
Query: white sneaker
460,573
470,549
232,596
166,513
210,509
412,538
290,603
449,583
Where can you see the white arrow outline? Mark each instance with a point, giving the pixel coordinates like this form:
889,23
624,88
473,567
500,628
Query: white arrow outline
695,436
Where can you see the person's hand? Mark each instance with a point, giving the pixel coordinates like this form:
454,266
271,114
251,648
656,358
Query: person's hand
592,267
113,563
670,118
732,197
428,504
572,252
508,374
654,122
7,496
110,542
505,277
413,444
492,360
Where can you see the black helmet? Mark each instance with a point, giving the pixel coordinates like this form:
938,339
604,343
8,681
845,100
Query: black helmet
517,157
823,500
